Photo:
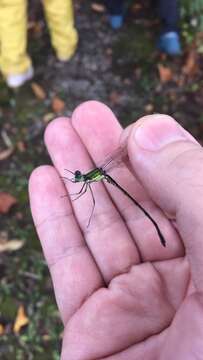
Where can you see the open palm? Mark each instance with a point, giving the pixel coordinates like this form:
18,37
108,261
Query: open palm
121,294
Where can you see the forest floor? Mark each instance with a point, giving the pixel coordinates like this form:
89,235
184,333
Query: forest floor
124,70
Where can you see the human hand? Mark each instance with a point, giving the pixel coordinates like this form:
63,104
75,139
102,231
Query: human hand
121,295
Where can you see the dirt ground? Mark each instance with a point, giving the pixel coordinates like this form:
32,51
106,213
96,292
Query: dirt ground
124,70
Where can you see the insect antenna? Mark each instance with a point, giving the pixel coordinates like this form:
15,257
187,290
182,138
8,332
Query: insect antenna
66,178
70,171
81,192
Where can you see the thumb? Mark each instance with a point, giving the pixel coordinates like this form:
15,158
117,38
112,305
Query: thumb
169,163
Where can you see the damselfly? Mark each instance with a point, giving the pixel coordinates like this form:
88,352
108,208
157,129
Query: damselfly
100,174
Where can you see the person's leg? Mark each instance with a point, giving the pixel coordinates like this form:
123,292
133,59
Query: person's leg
64,37
169,13
14,62
0,50
115,9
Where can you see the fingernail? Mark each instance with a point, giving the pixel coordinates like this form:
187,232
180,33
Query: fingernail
158,132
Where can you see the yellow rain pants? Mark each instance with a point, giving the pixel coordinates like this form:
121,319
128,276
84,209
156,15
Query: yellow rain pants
13,33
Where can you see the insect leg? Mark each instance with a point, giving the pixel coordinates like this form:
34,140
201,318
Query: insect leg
81,192
93,199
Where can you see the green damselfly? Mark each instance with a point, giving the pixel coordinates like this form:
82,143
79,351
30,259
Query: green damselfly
100,174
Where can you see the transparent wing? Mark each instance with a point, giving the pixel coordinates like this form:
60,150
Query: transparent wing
117,158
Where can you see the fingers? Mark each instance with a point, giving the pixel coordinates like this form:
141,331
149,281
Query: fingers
107,236
169,161
74,273
100,132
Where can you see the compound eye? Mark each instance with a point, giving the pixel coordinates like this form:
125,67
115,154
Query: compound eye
77,173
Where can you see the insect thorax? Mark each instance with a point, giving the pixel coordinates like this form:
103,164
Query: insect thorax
94,175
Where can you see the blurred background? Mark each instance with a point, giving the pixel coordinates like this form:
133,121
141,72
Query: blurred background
122,68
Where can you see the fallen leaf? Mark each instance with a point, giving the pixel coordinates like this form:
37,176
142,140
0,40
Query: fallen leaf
98,7
149,108
19,215
109,51
136,8
38,28
180,81
114,97
191,65
38,91
138,73
6,139
4,154
11,245
162,56
21,320
48,117
127,81
3,236
6,202
21,146
1,329
57,104
35,26
165,73
31,25
46,337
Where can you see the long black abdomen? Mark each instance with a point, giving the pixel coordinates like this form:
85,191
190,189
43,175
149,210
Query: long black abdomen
113,182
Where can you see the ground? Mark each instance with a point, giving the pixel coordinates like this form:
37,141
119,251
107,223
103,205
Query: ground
120,68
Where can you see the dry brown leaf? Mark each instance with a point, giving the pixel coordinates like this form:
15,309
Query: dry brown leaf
98,7
163,57
180,81
136,8
114,97
57,104
6,202
138,73
109,51
31,25
191,65
6,153
127,81
38,28
38,91
165,73
35,26
19,215
21,320
1,329
21,146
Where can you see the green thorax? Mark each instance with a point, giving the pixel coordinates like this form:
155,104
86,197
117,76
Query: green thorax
95,175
